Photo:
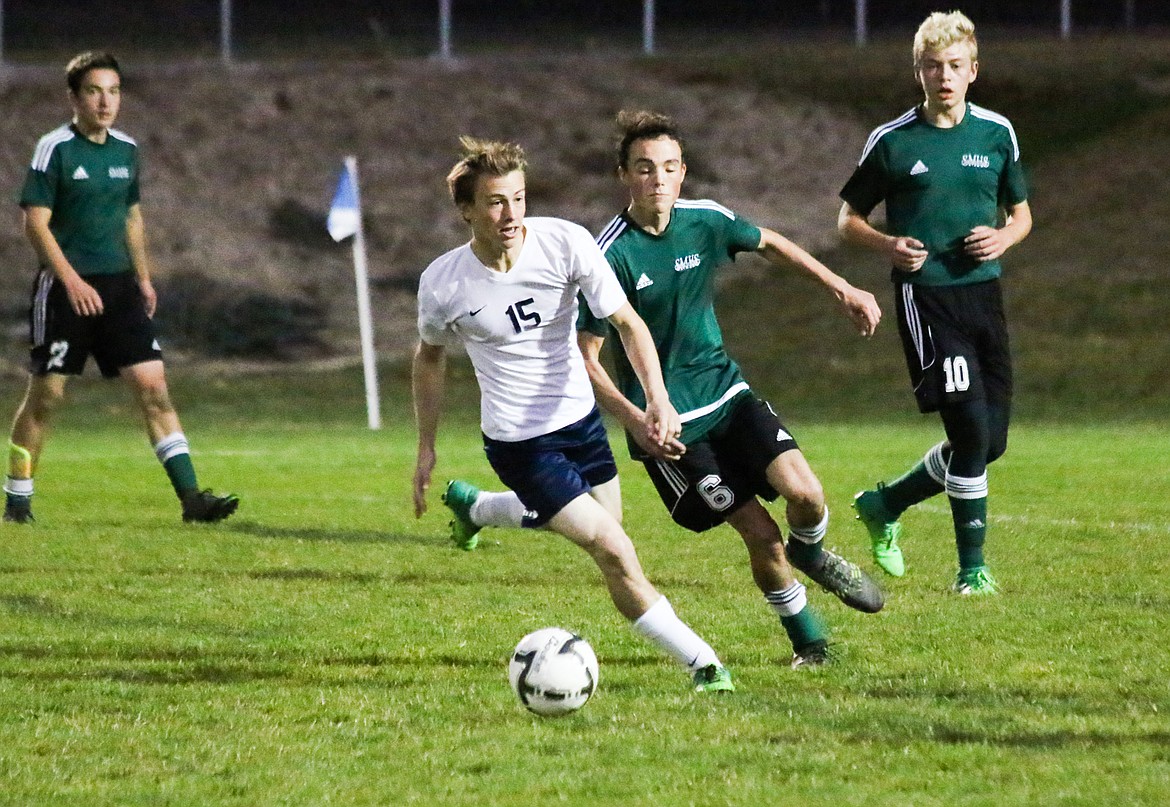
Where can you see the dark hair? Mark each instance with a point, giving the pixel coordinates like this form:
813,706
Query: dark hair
643,125
479,158
82,63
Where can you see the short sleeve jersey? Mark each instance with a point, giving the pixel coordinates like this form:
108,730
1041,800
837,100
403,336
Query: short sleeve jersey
670,281
518,327
90,188
938,184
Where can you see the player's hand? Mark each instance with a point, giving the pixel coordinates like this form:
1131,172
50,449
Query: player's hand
671,450
149,296
862,307
422,479
84,299
985,244
661,422
908,254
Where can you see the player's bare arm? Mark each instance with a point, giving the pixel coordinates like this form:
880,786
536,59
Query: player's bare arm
139,259
611,399
905,253
989,243
860,306
83,298
427,376
661,420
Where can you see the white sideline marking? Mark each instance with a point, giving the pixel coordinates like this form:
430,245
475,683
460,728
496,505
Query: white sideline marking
1060,522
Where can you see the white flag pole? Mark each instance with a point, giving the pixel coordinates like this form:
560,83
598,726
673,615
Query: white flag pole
365,321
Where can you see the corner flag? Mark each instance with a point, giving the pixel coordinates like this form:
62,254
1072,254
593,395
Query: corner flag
345,219
345,214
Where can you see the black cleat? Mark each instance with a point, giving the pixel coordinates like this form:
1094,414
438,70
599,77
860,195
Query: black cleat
843,579
205,506
814,654
18,514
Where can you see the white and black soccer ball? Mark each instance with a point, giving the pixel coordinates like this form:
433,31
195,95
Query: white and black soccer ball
553,671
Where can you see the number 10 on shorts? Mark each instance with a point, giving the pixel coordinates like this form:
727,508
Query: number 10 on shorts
958,379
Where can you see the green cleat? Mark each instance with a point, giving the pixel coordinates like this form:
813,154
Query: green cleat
713,678
815,654
975,582
883,534
459,497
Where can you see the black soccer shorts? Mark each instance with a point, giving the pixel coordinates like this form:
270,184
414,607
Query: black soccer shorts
725,469
955,340
121,336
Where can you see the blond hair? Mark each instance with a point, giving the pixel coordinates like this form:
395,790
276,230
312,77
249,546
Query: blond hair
939,31
482,158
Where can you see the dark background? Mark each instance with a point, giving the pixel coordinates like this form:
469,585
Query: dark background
35,29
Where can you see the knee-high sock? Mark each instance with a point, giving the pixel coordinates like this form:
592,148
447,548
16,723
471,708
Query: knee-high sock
662,627
174,453
799,620
926,479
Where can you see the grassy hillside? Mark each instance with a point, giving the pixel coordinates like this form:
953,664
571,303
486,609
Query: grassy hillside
240,167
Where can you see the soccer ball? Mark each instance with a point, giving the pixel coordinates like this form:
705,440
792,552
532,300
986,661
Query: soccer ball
553,671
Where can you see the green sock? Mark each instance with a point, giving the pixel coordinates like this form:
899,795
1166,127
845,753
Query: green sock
805,544
912,487
802,554
970,518
181,471
804,628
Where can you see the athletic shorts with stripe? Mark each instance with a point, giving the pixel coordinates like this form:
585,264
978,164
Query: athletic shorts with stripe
549,471
121,336
956,343
725,469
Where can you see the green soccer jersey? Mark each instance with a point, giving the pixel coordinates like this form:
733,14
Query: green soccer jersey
90,188
938,184
670,281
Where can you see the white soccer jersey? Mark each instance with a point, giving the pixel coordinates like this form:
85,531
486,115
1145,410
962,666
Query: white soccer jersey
519,327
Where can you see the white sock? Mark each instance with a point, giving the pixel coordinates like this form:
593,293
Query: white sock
172,445
662,627
497,510
18,487
936,466
788,602
811,535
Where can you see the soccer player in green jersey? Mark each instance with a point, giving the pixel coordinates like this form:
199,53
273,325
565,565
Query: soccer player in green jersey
733,451
949,173
93,293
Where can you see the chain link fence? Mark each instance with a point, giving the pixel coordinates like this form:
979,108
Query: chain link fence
37,31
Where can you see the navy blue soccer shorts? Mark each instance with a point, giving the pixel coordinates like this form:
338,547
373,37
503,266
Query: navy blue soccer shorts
549,471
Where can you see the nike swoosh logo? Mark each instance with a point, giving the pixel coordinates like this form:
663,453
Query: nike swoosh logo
476,311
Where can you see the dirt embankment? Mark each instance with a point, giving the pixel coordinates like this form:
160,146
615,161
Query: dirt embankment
240,168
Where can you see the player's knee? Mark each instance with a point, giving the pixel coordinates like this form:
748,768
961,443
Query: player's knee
613,553
42,402
155,400
806,500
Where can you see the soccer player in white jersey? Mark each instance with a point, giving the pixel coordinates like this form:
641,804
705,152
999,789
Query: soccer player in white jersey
509,296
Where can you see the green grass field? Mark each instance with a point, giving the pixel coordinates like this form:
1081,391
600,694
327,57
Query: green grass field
323,647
